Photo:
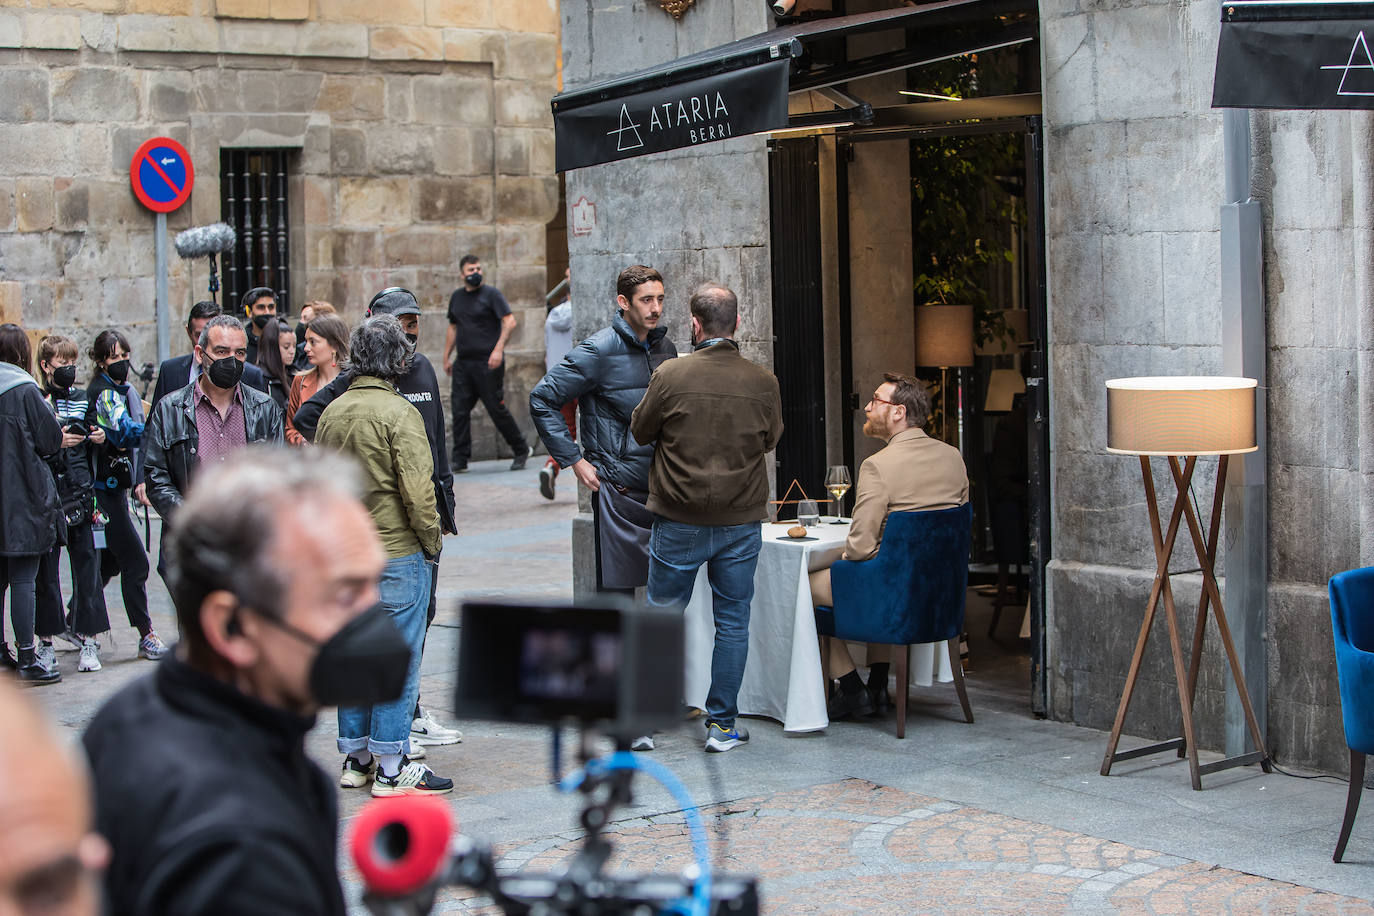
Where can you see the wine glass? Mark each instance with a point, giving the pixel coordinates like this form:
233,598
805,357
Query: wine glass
808,513
838,483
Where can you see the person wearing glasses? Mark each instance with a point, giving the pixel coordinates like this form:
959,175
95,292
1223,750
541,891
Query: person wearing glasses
911,473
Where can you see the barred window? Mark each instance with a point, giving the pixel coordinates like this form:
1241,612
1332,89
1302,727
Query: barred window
253,199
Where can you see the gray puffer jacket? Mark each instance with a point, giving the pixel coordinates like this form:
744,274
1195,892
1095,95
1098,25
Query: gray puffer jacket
607,375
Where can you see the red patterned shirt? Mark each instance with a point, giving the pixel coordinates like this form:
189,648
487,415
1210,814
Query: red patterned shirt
219,435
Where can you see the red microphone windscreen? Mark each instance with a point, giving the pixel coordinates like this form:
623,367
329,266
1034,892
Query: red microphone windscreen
399,843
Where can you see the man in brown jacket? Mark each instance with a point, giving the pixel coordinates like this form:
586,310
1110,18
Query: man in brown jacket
715,417
913,472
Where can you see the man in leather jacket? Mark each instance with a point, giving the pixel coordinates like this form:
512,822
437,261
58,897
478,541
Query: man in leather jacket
607,375
207,420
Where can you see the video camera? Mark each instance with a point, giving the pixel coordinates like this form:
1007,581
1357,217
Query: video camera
608,667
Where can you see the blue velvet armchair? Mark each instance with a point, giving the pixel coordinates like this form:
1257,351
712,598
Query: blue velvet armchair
912,591
1352,627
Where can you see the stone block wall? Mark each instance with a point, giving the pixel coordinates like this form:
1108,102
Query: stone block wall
1134,177
416,132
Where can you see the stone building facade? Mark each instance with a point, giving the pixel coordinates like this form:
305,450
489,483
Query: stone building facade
1134,188
415,131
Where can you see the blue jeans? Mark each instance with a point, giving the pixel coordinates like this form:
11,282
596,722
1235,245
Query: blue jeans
731,553
385,728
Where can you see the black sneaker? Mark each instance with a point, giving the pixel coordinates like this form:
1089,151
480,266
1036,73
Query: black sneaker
413,779
459,465
521,457
547,478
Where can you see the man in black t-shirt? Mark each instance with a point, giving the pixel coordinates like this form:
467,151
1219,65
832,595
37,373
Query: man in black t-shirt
480,323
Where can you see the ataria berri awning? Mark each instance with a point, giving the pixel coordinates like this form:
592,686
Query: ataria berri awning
1295,54
742,87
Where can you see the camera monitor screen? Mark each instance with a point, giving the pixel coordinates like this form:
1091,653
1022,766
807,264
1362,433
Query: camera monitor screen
547,663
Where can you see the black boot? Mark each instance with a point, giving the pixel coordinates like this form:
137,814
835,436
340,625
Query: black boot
878,695
850,700
7,657
31,672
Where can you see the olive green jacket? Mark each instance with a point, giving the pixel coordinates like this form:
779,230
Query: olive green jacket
386,435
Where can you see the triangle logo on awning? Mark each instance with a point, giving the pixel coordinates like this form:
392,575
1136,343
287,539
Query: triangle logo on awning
627,125
1362,83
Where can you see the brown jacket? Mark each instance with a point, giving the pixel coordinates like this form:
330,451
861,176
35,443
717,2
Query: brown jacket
913,472
715,417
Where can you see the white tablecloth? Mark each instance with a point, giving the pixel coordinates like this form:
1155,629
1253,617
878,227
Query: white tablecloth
782,679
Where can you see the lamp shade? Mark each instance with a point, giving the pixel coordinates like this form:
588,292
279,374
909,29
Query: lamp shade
1180,415
1003,387
1017,322
944,335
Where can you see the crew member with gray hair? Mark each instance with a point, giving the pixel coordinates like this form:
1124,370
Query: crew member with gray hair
203,785
374,424
206,421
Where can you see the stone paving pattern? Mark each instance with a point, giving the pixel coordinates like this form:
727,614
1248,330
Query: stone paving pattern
1006,815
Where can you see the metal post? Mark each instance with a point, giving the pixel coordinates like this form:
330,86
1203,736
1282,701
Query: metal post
1246,533
164,342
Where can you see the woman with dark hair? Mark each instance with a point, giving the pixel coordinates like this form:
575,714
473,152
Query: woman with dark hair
30,512
326,345
115,407
276,353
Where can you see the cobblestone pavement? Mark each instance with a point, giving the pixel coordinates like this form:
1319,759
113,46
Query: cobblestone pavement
1007,815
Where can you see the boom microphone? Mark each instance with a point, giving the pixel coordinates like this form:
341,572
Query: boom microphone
201,241
401,844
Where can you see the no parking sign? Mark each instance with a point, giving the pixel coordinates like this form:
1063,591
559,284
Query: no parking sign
161,174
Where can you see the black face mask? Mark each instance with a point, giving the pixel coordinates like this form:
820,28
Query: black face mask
473,279
119,371
363,664
300,332
260,321
414,339
224,373
64,377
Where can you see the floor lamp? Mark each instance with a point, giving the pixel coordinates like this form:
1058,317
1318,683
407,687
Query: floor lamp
944,340
1181,418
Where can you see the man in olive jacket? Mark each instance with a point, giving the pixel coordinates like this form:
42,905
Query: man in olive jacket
715,416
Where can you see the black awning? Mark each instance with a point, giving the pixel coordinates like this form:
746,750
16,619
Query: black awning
1295,55
741,88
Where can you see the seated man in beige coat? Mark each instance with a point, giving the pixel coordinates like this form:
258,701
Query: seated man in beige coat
912,472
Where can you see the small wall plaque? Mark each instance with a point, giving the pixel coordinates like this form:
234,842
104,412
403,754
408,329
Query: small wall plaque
675,8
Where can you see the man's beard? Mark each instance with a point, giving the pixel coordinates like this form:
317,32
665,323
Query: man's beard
871,430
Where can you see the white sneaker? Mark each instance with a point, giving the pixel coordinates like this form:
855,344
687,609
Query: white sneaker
45,655
642,743
413,779
425,729
90,656
417,751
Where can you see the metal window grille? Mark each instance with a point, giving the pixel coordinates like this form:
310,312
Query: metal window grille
253,199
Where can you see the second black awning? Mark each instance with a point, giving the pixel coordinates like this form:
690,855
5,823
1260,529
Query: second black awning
742,88
1299,55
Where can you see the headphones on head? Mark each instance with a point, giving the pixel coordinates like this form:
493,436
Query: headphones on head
390,290
253,295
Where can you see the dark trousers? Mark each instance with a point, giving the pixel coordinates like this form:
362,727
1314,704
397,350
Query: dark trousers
89,617
18,574
124,555
473,382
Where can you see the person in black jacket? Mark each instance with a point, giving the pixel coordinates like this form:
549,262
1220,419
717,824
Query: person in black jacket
30,514
72,471
176,373
607,375
203,787
419,386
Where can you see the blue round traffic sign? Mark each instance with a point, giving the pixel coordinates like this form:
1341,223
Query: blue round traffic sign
161,174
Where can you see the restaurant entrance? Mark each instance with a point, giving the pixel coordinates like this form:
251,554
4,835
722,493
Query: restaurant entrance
852,247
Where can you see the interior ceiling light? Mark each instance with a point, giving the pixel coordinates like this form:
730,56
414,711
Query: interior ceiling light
930,95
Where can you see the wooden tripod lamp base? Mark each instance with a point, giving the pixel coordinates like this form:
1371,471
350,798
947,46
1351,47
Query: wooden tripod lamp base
1181,418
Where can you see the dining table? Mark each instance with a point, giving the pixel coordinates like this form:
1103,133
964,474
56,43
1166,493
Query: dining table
782,677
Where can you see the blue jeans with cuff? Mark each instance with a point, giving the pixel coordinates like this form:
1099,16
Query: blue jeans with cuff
385,728
731,554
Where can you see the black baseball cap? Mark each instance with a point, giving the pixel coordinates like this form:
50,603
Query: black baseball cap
394,300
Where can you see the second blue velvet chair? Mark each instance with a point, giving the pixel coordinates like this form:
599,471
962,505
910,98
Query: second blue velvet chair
912,591
1352,627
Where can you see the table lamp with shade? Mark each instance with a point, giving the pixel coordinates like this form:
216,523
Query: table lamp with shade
1183,417
944,340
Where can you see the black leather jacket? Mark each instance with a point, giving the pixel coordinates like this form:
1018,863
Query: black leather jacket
607,375
171,440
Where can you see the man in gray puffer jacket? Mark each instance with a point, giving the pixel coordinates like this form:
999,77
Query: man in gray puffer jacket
607,375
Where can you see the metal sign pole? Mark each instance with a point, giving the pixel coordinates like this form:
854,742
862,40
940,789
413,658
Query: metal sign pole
164,343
